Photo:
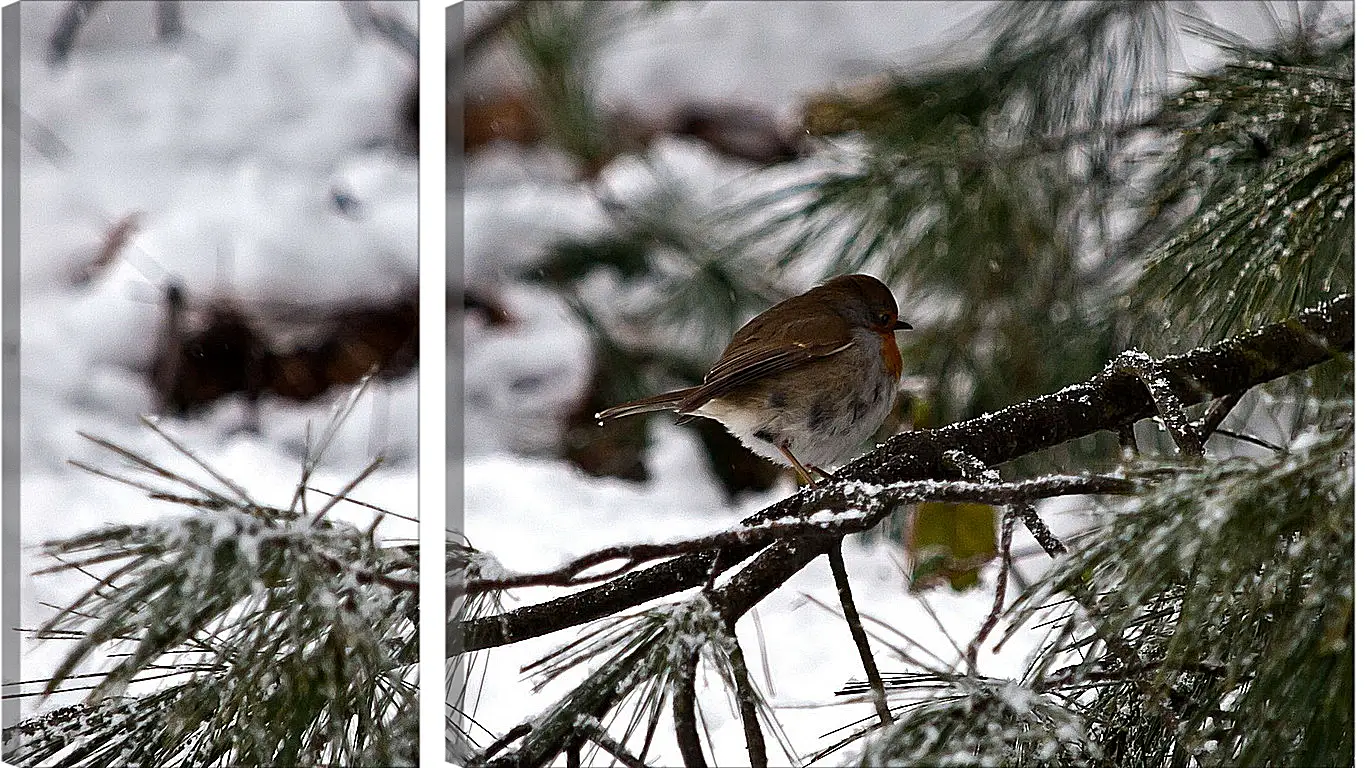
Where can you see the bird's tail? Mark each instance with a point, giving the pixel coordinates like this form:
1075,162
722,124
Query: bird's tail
668,401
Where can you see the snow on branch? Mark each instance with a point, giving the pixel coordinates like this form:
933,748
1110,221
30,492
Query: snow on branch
837,508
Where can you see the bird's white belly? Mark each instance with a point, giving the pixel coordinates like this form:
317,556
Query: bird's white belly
823,434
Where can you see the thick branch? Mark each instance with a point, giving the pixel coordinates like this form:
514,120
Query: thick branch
1109,401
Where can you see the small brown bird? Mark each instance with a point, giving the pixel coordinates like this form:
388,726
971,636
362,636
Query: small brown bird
805,382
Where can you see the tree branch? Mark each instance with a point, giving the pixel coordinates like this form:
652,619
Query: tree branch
1001,584
855,627
685,711
1108,401
591,728
1168,406
747,699
1213,417
848,508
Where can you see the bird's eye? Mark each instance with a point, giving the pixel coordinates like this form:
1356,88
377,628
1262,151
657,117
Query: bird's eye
884,318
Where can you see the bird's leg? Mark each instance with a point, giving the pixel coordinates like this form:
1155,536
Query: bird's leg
800,469
822,473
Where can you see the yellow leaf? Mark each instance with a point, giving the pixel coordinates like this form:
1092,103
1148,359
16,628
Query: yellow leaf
950,542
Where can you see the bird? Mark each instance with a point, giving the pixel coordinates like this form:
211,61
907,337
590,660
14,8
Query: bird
805,382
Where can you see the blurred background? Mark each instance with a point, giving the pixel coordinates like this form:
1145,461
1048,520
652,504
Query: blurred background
639,179
219,227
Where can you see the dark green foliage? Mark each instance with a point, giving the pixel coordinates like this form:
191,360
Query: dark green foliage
572,260
1264,151
557,42
1217,614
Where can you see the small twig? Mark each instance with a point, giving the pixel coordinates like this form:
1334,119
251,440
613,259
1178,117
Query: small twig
1168,406
685,711
1128,438
855,627
341,494
592,729
747,699
1254,440
507,738
863,507
714,573
1207,425
1001,584
1046,539
973,469
183,450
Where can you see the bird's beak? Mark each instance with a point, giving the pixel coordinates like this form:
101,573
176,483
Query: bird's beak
901,325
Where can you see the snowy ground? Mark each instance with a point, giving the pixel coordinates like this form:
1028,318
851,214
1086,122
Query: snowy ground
534,512
231,144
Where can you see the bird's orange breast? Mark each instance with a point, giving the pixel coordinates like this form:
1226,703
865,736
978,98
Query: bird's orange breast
891,355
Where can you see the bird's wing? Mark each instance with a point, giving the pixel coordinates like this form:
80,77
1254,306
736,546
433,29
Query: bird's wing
759,354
